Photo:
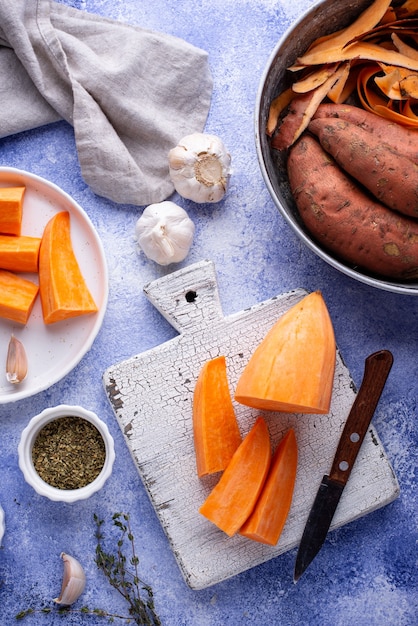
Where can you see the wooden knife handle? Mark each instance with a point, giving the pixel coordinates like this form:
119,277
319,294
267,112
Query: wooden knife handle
376,371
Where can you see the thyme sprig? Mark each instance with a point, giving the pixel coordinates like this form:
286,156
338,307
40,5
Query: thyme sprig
122,572
126,581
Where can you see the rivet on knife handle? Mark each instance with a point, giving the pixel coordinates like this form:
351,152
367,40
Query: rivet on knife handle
376,371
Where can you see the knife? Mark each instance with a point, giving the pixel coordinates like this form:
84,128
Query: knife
376,371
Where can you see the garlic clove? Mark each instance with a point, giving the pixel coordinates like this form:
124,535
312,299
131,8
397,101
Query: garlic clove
16,362
73,581
200,167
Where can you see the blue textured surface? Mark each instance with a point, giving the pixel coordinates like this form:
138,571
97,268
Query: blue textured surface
366,573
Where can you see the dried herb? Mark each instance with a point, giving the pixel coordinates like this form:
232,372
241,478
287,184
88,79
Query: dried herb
69,453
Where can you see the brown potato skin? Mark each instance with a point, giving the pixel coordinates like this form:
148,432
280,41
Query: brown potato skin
345,220
403,139
391,177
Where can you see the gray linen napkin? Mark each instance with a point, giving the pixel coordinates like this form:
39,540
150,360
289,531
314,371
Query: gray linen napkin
130,94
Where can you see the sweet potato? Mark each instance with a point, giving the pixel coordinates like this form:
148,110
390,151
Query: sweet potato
17,297
301,111
404,140
19,254
233,498
391,177
11,206
269,515
215,429
345,220
63,289
292,368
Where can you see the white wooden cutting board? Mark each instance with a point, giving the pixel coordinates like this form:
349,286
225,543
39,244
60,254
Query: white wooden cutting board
152,393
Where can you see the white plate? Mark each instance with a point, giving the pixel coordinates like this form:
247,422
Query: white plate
53,350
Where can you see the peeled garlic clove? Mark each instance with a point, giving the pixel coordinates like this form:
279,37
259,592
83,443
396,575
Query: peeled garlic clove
73,582
165,232
16,362
200,167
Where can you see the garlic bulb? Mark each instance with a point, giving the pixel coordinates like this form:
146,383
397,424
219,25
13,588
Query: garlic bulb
165,232
73,582
200,168
16,362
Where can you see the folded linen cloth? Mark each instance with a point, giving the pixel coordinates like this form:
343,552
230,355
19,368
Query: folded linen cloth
130,94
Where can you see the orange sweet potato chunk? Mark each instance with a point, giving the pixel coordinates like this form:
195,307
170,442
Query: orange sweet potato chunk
11,206
269,515
17,297
292,369
63,289
232,499
215,428
19,253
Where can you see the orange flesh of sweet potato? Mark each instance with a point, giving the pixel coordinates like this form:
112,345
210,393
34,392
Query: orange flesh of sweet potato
391,177
292,369
233,498
11,203
64,293
346,221
268,518
17,297
215,428
19,254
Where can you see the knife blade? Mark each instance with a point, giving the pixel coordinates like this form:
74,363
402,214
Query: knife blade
376,370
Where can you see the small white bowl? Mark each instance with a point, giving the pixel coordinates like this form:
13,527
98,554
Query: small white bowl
28,439
2,525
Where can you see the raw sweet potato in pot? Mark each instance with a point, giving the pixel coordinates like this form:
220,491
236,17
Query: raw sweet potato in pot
345,220
391,177
404,140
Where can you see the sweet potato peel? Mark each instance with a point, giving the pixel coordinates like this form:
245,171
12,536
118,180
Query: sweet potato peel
375,58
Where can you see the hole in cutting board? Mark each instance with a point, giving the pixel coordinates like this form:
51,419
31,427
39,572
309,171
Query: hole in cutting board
191,296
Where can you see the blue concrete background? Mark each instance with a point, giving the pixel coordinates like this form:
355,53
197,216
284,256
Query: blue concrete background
366,573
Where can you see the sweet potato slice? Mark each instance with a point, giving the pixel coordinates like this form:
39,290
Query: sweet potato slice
17,297
11,206
233,498
292,369
269,516
19,254
215,428
64,292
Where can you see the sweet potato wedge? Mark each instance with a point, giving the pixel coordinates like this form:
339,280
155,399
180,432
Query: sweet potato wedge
292,368
19,254
17,297
63,290
215,429
391,177
404,140
233,498
269,515
345,220
11,206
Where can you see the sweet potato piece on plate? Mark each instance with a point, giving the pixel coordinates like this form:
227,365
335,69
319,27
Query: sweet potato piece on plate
17,297
64,292
11,207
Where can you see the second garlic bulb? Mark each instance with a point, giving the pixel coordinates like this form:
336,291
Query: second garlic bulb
165,232
200,167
